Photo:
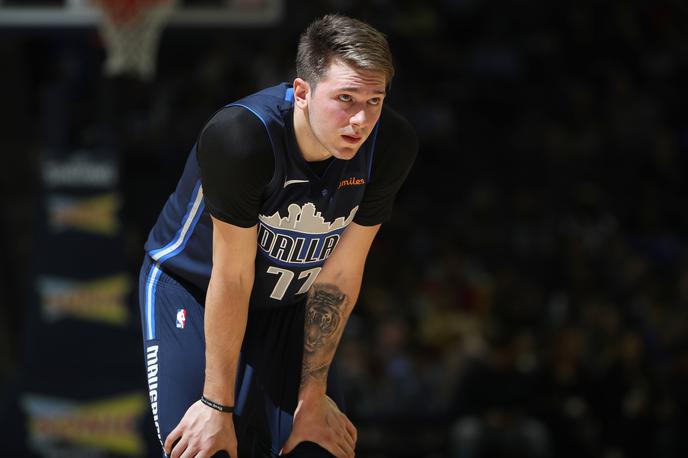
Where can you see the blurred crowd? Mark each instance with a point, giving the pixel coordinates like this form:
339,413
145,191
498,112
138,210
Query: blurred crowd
532,286
528,298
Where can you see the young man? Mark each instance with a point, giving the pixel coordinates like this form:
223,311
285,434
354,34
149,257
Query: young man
257,258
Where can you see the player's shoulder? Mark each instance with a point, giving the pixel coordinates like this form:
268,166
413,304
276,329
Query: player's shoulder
234,118
235,129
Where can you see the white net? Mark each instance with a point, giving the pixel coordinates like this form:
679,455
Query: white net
132,35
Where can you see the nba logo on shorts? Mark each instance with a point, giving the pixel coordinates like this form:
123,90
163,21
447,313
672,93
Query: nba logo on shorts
181,318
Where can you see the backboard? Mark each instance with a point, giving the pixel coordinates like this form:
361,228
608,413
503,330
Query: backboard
189,13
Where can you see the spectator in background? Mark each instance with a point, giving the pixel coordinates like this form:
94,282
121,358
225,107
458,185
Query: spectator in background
626,400
565,395
492,408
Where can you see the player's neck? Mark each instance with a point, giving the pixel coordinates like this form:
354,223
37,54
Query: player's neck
311,149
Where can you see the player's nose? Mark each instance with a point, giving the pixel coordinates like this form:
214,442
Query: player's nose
359,119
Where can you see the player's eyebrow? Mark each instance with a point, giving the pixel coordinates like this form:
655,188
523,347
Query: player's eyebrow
357,89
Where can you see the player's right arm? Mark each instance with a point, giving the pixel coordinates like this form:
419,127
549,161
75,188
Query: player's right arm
204,430
226,306
236,163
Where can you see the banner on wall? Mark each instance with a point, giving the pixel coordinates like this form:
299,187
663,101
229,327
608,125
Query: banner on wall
102,300
102,427
93,214
80,169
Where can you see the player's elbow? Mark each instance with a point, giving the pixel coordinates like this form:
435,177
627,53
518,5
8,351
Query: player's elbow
233,278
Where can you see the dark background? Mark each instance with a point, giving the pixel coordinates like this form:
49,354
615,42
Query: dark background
527,299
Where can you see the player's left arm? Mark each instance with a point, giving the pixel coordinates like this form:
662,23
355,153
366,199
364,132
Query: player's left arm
329,304
332,297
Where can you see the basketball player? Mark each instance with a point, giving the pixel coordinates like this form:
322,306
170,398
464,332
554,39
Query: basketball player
256,260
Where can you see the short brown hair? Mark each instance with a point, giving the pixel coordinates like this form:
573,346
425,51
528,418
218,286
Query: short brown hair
340,37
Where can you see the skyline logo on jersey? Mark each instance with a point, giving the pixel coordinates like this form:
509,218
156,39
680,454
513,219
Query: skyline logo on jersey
107,425
303,238
96,215
102,300
181,318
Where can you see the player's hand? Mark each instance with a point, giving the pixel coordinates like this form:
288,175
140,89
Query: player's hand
321,421
202,432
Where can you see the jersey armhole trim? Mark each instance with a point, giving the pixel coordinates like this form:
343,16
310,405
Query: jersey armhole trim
194,210
151,283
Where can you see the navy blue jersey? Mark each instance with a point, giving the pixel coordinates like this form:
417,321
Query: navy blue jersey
301,216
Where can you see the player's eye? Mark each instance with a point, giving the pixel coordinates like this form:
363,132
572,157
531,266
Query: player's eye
344,98
375,101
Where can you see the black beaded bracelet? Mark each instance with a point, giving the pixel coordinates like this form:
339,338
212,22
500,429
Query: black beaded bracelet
216,406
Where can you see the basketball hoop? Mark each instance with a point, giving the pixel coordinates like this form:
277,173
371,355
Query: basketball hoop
131,32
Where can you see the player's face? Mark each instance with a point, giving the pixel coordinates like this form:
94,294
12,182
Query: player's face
344,107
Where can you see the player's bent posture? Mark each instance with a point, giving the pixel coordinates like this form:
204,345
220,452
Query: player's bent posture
256,260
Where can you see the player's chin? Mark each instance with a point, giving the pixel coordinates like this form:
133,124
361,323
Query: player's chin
346,152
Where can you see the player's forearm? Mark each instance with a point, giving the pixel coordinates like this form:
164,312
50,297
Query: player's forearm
226,312
330,302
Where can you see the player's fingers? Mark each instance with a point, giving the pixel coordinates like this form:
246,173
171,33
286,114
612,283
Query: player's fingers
191,452
336,444
352,430
208,454
342,450
346,437
343,427
341,434
347,447
343,420
179,447
289,445
173,437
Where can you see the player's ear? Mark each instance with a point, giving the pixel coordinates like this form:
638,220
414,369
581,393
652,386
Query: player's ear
301,90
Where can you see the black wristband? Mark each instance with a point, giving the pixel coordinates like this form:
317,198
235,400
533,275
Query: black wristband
216,406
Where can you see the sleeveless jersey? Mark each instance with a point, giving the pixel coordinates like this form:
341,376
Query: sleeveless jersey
302,214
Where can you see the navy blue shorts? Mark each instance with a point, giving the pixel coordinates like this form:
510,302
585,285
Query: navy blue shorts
269,370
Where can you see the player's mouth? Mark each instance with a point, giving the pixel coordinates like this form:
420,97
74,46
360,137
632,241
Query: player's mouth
352,138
